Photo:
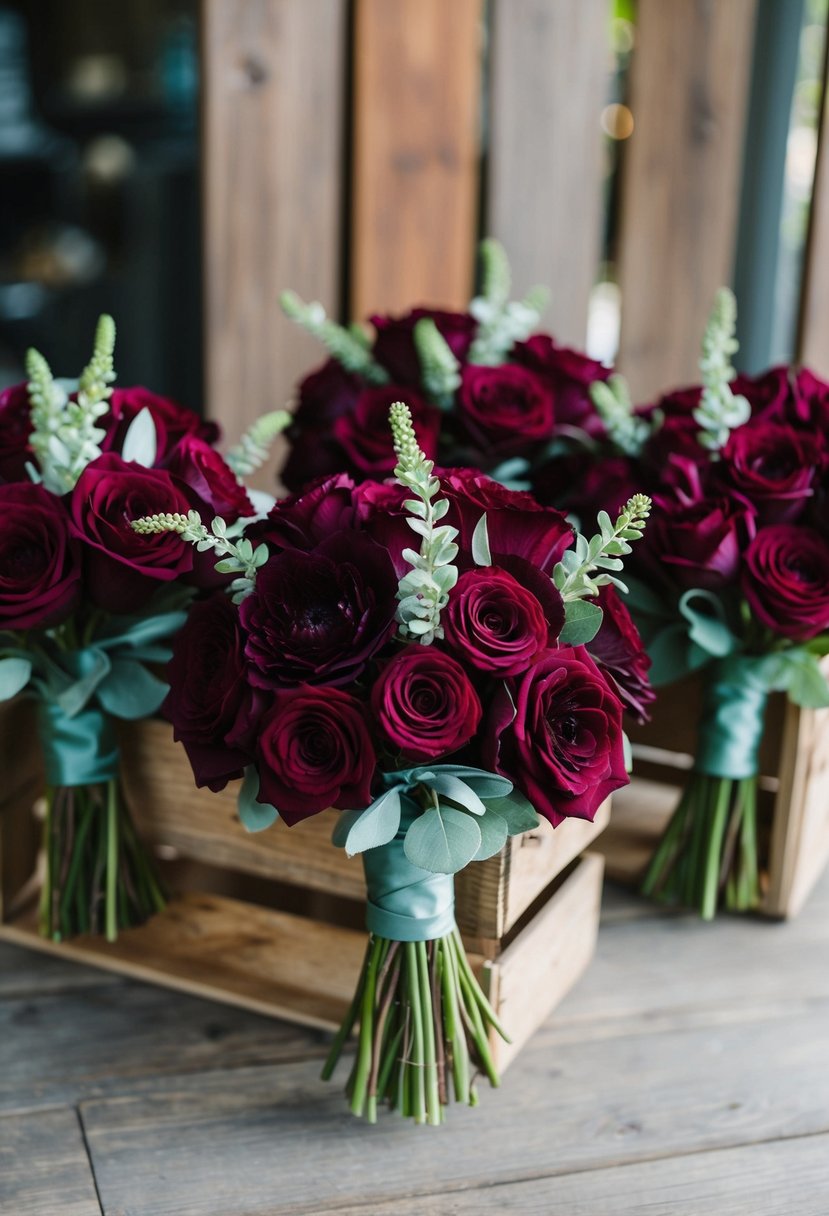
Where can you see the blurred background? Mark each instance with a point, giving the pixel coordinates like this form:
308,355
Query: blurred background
180,163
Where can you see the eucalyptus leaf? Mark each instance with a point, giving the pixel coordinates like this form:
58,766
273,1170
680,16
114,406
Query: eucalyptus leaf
518,813
256,816
582,622
494,834
803,680
442,840
130,691
456,790
14,676
481,554
707,623
370,827
141,441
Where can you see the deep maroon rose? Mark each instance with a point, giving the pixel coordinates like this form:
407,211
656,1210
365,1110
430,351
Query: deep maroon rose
677,434
568,374
172,421
773,466
314,751
603,486
786,580
517,525
619,651
200,467
40,568
212,709
15,429
504,410
318,617
424,704
121,568
495,624
769,394
557,734
365,438
381,514
303,520
395,349
325,395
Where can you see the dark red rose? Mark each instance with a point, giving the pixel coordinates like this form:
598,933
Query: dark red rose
619,651
424,704
786,580
381,514
769,394
557,734
568,374
200,467
318,617
15,429
395,349
325,395
493,623
40,568
773,466
121,568
603,486
365,437
172,421
314,751
302,521
211,707
503,411
677,434
517,525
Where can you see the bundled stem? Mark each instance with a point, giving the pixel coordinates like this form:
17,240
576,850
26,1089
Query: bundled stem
99,878
424,1022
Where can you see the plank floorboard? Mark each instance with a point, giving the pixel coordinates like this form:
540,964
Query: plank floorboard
44,1167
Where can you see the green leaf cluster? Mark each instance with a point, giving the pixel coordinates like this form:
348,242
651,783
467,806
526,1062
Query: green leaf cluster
348,346
720,411
594,563
501,322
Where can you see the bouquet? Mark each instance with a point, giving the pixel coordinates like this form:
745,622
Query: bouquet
732,582
484,388
427,656
87,608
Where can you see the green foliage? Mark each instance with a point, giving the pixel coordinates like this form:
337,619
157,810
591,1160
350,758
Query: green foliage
614,406
236,557
593,564
253,449
342,344
501,322
719,411
582,621
439,368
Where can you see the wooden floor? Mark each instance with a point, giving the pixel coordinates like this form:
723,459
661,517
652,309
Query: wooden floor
688,1073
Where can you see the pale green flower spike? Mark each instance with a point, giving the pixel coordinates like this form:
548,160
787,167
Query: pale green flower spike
253,449
65,437
719,411
342,344
438,366
501,322
423,592
585,568
614,406
240,558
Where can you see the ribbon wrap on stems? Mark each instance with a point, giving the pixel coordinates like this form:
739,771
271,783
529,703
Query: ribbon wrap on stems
733,718
78,749
405,903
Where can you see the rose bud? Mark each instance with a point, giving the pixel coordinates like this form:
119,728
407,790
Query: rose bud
773,466
495,624
697,544
364,437
198,466
619,651
394,346
424,704
313,752
15,429
505,410
557,734
302,521
786,580
172,421
40,566
123,569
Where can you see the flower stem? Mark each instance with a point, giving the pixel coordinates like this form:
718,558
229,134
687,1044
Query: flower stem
112,863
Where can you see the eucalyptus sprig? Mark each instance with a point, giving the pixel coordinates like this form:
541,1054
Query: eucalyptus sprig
424,591
237,557
253,449
720,410
591,564
613,403
342,344
501,322
439,369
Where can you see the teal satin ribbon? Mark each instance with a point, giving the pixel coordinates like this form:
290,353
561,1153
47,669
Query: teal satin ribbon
78,749
405,903
733,718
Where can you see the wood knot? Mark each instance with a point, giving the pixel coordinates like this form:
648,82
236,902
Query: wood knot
255,71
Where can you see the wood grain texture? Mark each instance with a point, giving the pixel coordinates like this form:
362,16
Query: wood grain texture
44,1166
273,81
545,168
813,338
417,71
681,181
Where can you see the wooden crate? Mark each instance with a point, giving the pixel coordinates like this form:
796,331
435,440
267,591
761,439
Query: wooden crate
529,916
793,802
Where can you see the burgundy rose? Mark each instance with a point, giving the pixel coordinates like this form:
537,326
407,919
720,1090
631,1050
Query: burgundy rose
677,434
364,435
786,580
424,704
172,421
15,429
40,567
394,345
302,521
314,751
325,395
773,466
557,734
318,617
202,470
568,374
381,514
494,623
212,709
603,486
619,651
769,394
122,569
504,410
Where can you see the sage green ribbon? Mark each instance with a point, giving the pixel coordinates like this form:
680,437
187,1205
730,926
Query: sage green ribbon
405,903
733,718
78,749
